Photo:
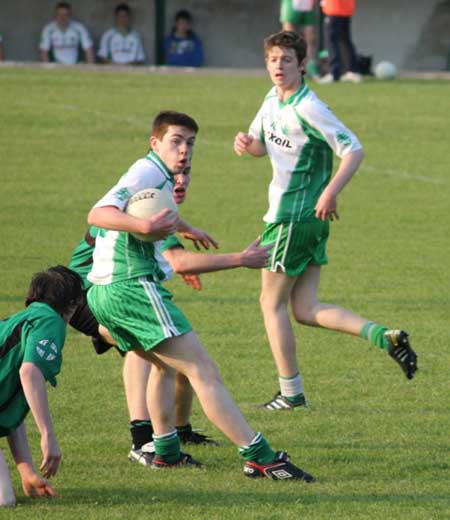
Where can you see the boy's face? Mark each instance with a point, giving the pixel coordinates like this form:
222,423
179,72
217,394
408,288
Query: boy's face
180,187
175,148
63,16
283,67
123,20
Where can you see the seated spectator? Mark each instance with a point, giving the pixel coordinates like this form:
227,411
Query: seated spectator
1,48
121,45
61,39
183,47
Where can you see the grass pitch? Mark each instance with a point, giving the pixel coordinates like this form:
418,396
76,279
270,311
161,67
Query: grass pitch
377,443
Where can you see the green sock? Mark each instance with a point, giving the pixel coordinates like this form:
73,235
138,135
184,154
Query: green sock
167,446
299,398
258,451
187,428
375,334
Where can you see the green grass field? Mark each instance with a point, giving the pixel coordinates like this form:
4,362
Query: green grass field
377,443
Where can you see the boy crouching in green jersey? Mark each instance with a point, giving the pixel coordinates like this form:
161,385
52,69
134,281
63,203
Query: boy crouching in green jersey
30,354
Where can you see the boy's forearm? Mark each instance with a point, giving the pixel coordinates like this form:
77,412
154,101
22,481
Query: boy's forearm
33,384
257,148
185,262
20,449
347,168
110,217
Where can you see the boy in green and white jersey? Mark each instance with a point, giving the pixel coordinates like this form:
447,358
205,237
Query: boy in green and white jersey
31,343
300,134
300,15
139,313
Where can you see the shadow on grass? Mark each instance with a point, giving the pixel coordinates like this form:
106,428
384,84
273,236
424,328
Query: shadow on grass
216,498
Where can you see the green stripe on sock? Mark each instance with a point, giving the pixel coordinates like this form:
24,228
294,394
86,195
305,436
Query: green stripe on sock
167,446
259,452
375,334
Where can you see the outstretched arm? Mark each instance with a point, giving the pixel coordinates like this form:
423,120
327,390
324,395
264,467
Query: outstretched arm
186,262
326,206
33,384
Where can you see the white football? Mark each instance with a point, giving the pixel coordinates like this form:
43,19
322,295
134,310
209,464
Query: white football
385,70
146,203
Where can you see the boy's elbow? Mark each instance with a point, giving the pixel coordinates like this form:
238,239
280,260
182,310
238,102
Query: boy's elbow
27,370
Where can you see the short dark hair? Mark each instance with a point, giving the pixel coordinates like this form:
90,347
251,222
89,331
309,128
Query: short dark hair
63,5
288,40
58,286
168,118
122,7
183,14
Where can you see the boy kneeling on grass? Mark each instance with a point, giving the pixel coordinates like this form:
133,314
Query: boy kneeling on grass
31,342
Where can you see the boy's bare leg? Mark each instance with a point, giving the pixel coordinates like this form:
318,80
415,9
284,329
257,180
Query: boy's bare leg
274,300
7,497
184,395
186,355
309,311
136,372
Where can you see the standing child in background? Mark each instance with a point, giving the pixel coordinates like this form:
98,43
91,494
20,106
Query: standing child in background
183,47
31,342
299,133
299,16
122,45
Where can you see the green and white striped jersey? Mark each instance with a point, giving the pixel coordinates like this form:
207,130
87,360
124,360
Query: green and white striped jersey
117,254
300,135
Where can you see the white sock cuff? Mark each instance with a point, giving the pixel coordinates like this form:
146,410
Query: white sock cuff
290,387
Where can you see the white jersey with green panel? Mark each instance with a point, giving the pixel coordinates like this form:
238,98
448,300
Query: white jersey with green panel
300,135
121,47
117,254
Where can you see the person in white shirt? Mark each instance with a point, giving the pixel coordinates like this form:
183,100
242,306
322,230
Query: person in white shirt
122,45
61,39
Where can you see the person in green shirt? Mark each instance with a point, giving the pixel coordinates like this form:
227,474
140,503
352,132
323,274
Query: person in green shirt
31,343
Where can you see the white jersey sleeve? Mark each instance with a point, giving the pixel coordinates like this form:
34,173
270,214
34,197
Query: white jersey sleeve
140,54
45,43
136,179
85,39
319,116
104,50
256,128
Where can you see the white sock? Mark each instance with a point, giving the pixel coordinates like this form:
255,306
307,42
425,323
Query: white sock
292,386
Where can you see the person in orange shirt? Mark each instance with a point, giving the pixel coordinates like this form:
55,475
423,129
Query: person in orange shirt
337,25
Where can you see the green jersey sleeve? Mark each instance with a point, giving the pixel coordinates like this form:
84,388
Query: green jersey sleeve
44,340
170,242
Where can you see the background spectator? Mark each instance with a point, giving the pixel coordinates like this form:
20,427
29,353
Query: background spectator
183,47
1,48
337,25
61,39
122,45
296,15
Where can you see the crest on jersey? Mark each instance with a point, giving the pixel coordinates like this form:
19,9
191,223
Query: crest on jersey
47,350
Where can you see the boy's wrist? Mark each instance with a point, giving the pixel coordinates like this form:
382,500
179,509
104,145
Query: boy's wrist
25,469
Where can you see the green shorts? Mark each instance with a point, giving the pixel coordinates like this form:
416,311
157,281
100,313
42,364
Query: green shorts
137,312
291,15
296,245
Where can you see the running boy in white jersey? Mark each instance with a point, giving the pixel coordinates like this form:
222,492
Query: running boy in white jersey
300,134
122,45
61,39
129,300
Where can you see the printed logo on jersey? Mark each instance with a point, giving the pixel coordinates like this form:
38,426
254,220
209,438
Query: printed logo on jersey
47,350
343,138
123,194
280,141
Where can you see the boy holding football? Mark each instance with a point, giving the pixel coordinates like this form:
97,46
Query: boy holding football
129,300
300,133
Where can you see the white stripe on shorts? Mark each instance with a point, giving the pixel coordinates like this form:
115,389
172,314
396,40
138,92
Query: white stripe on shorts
275,249
161,312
